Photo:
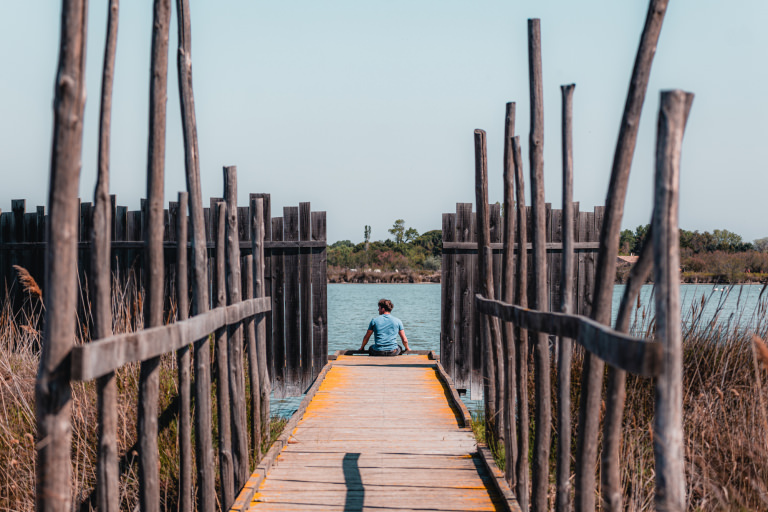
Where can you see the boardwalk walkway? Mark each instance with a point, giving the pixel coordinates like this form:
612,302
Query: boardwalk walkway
380,434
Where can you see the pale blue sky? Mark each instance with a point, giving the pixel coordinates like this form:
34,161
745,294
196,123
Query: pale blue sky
367,108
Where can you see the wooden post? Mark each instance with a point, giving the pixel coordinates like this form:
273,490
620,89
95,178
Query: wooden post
206,498
463,358
305,299
235,334
592,374
249,326
541,350
183,360
485,286
53,394
668,425
448,298
259,289
521,292
278,311
226,462
107,472
508,296
563,493
267,219
319,293
149,484
292,328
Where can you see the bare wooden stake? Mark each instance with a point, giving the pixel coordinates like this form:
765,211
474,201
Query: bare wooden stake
668,424
235,335
563,493
543,411
259,289
592,374
508,296
149,482
206,497
521,292
107,472
249,326
53,394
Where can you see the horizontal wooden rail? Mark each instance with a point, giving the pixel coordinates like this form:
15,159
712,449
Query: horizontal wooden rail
498,246
98,358
634,355
139,244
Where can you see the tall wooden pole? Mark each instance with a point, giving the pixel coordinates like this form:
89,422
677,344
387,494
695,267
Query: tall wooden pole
258,228
53,394
521,292
149,380
206,498
563,493
543,414
235,345
508,296
605,271
107,471
668,424
249,328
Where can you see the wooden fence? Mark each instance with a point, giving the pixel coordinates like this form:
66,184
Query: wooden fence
506,326
294,252
460,346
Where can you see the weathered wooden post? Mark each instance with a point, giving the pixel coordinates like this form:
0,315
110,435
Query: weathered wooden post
149,484
249,327
564,353
224,409
521,293
183,360
53,394
259,290
508,296
668,425
605,275
235,334
489,326
107,471
543,414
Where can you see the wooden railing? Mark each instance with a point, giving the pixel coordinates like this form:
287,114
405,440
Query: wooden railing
506,324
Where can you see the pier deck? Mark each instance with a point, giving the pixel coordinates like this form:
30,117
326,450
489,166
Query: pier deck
380,434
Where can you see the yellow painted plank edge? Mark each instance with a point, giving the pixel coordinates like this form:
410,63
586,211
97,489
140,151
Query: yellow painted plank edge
250,488
497,477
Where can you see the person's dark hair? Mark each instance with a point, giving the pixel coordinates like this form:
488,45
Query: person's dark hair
386,304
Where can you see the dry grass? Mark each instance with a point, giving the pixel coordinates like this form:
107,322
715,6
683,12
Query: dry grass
20,337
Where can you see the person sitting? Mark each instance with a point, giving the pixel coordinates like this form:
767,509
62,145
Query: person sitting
385,329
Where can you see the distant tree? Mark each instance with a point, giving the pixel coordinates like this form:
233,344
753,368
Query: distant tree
761,244
641,233
398,231
411,234
626,241
341,243
367,235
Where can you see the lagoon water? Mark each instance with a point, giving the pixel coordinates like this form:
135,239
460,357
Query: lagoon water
351,307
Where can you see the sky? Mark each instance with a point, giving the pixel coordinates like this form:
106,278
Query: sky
367,109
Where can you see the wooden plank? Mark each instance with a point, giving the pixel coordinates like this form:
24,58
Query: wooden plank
266,204
278,313
476,344
305,297
292,304
319,294
259,289
97,358
464,272
53,395
447,298
637,356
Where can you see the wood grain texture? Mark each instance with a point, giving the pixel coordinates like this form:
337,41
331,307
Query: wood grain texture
53,395
447,297
249,328
292,304
319,293
355,449
592,375
305,296
668,446
259,290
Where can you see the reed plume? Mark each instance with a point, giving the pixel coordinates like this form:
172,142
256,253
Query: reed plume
28,282
761,351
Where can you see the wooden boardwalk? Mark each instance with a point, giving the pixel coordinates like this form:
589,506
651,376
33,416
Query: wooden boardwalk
380,434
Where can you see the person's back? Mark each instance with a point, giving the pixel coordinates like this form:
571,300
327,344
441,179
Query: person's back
386,329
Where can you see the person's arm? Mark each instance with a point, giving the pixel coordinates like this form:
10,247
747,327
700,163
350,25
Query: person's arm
405,340
365,340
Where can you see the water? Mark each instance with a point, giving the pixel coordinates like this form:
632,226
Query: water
352,306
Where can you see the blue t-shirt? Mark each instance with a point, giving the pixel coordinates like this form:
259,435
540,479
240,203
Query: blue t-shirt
385,331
